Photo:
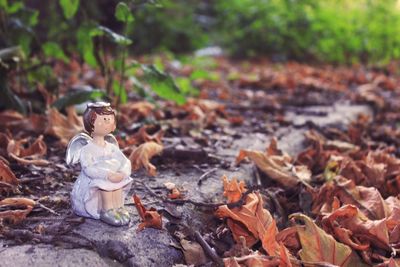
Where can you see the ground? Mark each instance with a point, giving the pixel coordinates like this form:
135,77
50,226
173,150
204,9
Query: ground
46,239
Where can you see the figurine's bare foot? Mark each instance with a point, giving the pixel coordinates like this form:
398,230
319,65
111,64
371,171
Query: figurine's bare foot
111,217
124,215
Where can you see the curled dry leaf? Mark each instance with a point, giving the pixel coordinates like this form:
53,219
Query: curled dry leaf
16,209
278,168
350,226
251,220
31,155
7,177
175,193
140,157
64,127
16,122
233,190
320,247
367,199
256,259
150,218
134,111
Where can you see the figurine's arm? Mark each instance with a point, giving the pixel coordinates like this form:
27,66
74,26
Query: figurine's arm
91,169
126,167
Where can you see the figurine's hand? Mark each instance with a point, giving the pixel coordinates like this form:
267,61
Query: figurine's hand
115,177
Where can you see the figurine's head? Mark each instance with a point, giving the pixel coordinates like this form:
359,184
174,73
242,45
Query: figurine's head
99,119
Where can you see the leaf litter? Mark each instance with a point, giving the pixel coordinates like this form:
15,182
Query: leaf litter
333,203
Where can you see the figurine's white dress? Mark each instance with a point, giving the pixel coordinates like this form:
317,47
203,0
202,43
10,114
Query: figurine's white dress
96,161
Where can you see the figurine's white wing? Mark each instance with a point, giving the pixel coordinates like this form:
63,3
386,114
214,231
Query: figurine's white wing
111,139
75,146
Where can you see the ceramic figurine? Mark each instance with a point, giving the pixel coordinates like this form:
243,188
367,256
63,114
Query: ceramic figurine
104,181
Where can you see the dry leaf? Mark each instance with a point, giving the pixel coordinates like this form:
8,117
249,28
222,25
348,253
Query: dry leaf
16,150
348,222
318,246
16,213
232,189
256,259
134,111
64,127
193,252
278,168
140,157
251,221
150,218
367,199
7,175
16,122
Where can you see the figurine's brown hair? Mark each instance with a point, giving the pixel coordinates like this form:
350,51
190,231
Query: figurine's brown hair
90,115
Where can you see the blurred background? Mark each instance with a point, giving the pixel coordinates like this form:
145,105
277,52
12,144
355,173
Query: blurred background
41,41
340,31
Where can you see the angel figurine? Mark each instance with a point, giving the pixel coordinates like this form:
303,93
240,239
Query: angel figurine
104,181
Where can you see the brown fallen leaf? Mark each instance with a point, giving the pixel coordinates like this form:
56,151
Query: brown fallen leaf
142,137
16,122
18,207
8,181
279,168
256,259
367,199
193,253
320,247
233,190
353,228
150,218
140,157
250,220
7,176
134,111
16,150
64,127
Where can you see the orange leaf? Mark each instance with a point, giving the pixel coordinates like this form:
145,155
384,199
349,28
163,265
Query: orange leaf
232,189
251,221
140,157
175,194
7,175
16,214
150,218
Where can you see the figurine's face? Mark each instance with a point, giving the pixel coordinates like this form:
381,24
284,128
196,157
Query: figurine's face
103,125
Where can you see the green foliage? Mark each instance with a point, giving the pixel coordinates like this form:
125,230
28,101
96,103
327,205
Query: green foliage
85,44
163,84
334,31
111,35
122,13
52,49
171,25
69,7
78,97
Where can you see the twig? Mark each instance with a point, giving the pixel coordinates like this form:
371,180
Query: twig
180,201
238,203
28,180
208,250
48,209
39,219
204,176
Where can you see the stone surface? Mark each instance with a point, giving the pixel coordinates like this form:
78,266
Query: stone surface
50,256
